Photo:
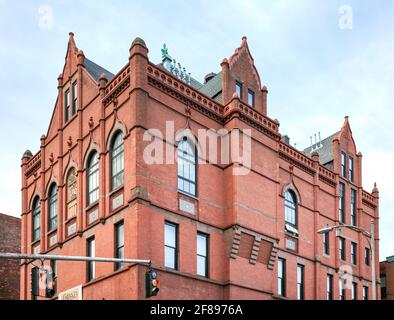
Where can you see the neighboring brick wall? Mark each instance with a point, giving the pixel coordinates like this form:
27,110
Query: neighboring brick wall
10,233
387,269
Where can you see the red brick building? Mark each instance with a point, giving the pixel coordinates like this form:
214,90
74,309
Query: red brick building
387,278
10,241
210,233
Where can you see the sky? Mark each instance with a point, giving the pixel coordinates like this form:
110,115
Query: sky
320,62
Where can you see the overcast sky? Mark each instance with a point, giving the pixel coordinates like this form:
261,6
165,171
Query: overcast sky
318,63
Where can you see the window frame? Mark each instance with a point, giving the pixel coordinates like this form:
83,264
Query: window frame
341,206
353,253
288,206
342,290
300,285
326,243
239,85
206,257
36,211
351,169
367,256
193,164
176,248
253,97
365,293
115,154
74,89
90,265
118,247
330,287
342,248
353,207
67,105
354,291
90,174
53,207
343,164
282,278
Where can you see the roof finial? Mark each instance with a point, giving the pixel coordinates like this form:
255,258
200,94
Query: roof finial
375,188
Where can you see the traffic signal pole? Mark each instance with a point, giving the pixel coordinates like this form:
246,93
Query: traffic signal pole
33,257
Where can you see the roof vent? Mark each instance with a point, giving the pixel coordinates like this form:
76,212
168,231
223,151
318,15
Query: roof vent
209,77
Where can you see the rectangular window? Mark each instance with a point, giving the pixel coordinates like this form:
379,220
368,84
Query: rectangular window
35,282
238,88
251,98
383,287
367,256
53,264
342,293
354,291
300,282
351,169
365,293
342,249
119,244
353,253
75,98
171,245
353,207
343,164
202,254
91,250
326,243
282,277
67,106
330,282
341,202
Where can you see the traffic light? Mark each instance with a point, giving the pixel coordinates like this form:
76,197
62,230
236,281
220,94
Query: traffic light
50,289
151,283
34,282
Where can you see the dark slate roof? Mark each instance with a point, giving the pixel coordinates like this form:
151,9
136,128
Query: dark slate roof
213,87
96,71
325,151
193,82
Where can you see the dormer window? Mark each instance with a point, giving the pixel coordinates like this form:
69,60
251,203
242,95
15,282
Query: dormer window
238,89
251,98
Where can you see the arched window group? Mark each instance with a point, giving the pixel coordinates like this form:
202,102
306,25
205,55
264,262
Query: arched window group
186,156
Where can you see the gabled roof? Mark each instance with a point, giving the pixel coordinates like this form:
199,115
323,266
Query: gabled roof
213,87
96,71
325,152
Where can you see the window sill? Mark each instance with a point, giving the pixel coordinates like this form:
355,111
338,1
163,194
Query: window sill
188,195
51,232
91,206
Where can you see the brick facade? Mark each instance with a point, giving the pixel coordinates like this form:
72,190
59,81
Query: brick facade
243,215
387,277
10,234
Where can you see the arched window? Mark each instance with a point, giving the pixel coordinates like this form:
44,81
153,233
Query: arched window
117,161
187,166
291,208
93,178
71,194
52,206
36,219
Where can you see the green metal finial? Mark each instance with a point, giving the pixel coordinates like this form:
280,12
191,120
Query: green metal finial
164,51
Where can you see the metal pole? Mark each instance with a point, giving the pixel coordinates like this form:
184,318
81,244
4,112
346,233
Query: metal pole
373,259
69,258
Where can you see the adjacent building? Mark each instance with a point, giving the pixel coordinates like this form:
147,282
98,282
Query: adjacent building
111,179
387,278
10,242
